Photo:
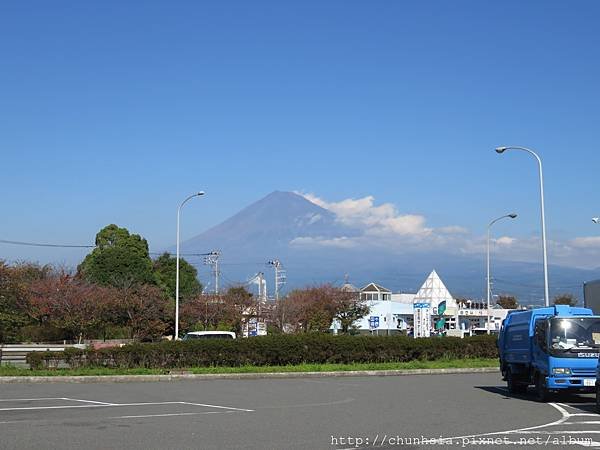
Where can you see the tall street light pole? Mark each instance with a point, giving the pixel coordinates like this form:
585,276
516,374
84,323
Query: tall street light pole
197,194
544,246
489,290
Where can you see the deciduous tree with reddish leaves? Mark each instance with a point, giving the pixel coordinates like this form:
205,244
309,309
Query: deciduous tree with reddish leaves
227,311
145,311
202,312
75,306
315,308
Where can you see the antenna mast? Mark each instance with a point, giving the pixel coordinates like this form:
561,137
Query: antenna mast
280,276
212,259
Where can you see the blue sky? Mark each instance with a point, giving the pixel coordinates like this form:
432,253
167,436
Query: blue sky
113,112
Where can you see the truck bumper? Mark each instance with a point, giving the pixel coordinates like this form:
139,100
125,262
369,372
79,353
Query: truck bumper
579,383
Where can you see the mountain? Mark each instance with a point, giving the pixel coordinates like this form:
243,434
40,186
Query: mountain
267,227
271,228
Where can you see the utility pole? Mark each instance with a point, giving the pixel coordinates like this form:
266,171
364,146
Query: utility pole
280,276
261,295
212,259
263,284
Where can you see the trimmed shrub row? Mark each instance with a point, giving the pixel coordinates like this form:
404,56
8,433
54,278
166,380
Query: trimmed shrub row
275,350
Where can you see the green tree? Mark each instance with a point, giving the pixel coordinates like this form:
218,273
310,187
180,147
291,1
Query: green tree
120,259
565,299
164,273
11,294
348,309
508,302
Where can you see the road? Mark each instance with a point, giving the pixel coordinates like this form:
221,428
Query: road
468,410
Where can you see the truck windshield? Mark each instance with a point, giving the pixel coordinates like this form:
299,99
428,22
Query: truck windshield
574,334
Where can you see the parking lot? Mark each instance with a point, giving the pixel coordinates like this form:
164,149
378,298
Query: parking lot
466,410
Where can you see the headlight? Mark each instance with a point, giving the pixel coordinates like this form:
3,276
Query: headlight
561,371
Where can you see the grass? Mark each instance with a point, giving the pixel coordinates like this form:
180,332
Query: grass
437,364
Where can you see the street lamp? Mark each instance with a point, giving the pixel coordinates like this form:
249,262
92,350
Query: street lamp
544,246
197,194
489,291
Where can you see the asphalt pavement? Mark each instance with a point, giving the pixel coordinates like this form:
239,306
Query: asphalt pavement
421,411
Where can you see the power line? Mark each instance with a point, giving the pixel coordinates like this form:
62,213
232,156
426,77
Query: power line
41,244
38,244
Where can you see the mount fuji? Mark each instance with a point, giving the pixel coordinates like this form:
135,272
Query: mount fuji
309,240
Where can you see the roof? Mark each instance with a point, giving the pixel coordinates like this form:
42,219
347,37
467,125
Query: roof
434,291
372,287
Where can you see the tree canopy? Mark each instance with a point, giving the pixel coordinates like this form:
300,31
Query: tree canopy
119,259
314,309
508,302
565,299
14,281
165,270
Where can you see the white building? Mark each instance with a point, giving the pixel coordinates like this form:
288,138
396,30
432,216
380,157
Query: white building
417,314
386,315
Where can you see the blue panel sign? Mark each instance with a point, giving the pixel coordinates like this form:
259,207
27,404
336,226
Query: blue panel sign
374,322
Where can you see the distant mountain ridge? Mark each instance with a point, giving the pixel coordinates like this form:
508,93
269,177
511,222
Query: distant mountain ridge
270,223
268,228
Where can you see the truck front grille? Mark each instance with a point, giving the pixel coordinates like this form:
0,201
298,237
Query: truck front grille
584,372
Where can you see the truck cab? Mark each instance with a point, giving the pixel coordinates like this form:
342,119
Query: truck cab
554,349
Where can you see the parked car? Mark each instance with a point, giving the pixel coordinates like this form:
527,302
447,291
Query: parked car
193,335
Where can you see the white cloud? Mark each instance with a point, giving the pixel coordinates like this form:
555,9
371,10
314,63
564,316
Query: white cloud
377,220
586,242
505,240
384,227
453,229
340,242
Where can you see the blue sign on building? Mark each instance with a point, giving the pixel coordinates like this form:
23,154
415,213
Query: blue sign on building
374,321
422,305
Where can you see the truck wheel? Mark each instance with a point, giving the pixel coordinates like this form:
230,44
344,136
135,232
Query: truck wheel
514,386
541,391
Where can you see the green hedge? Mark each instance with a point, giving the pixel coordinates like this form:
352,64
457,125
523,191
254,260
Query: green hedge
275,350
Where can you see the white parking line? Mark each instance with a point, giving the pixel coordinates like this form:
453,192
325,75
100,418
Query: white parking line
88,401
216,406
538,429
590,422
96,404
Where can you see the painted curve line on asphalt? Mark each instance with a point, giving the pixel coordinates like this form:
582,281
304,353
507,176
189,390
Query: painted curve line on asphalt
565,415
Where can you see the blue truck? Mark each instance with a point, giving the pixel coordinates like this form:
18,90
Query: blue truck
553,348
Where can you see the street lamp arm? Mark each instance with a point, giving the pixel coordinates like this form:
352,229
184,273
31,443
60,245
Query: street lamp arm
542,211
517,147
512,216
197,194
488,287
